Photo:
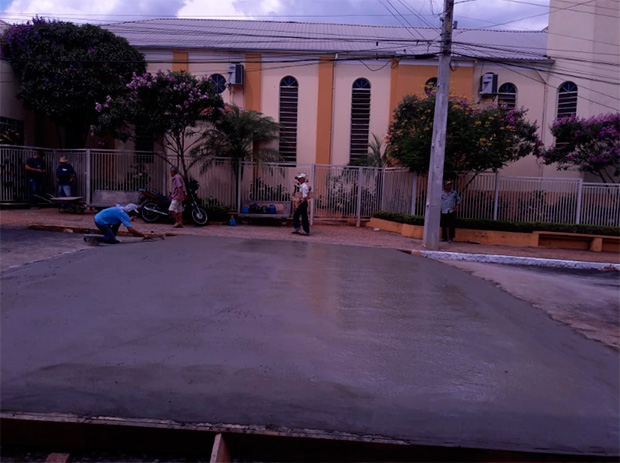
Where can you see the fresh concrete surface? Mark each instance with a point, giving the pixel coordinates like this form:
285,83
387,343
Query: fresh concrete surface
586,300
301,335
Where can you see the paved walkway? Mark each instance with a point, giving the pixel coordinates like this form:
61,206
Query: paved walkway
323,233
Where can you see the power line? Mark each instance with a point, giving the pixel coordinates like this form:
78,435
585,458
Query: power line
546,13
587,76
510,66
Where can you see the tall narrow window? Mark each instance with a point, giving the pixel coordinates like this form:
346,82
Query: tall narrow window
289,98
567,100
507,96
360,119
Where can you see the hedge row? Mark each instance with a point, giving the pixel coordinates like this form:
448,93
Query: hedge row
505,225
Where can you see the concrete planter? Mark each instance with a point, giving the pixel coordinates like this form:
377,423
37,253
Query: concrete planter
462,234
385,225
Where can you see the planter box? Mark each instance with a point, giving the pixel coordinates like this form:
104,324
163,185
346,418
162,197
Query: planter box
462,234
385,225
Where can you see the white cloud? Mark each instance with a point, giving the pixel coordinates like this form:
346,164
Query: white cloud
209,9
469,14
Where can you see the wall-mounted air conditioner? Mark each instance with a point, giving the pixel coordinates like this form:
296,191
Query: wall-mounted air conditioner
488,84
235,74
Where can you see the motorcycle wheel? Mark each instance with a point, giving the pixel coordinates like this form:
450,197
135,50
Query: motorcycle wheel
199,216
148,215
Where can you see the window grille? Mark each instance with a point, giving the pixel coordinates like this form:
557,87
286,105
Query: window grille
430,86
289,100
507,96
219,82
360,119
567,100
11,131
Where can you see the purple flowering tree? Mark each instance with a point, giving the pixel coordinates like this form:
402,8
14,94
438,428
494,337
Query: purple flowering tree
589,145
175,107
64,69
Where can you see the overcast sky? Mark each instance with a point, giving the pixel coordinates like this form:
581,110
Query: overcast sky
498,14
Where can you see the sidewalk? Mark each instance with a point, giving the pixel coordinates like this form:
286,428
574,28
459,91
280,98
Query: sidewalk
53,219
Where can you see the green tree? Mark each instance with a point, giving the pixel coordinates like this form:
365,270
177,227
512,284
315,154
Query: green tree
175,107
589,145
377,155
65,68
241,135
476,139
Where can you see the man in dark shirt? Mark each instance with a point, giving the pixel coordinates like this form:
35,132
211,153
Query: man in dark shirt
65,176
35,172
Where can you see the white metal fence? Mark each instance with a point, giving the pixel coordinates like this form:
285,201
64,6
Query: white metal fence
340,192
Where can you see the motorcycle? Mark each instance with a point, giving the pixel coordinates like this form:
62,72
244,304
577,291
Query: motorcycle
154,206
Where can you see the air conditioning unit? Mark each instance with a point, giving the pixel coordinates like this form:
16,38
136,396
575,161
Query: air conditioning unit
488,84
235,74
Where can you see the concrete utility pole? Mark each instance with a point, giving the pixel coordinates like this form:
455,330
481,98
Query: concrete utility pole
438,149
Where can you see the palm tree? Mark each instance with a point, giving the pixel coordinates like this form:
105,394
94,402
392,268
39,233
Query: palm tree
377,155
240,135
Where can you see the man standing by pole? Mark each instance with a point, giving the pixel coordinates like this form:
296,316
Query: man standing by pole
438,149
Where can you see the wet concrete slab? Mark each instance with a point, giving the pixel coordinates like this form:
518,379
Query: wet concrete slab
301,335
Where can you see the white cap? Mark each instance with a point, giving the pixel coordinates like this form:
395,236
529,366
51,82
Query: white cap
301,175
131,207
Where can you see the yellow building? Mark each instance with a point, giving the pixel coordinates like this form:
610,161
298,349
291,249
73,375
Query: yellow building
333,86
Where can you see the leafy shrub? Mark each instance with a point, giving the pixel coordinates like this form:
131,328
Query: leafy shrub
504,225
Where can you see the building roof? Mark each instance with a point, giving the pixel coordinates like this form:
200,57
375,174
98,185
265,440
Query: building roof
300,37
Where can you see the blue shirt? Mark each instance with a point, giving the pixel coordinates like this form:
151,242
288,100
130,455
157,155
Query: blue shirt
113,216
449,201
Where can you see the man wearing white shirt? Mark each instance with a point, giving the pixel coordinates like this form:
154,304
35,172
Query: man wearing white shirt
301,211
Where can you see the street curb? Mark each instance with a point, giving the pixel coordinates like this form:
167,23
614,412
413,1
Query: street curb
513,260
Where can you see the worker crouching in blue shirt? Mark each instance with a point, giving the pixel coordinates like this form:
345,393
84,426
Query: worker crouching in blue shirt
109,220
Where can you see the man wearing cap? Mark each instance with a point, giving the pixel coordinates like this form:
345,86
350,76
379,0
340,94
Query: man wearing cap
302,207
65,176
450,202
35,174
109,220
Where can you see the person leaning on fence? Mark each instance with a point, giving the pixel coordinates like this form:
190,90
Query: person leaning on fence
109,220
301,211
35,174
176,197
450,203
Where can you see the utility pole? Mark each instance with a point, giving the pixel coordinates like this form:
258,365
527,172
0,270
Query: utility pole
432,216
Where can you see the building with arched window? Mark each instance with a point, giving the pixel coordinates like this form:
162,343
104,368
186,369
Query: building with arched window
331,95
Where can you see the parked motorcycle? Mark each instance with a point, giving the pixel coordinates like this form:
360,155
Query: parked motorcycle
154,206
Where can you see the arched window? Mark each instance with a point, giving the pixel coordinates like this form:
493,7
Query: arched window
430,86
360,119
507,96
567,100
289,98
219,82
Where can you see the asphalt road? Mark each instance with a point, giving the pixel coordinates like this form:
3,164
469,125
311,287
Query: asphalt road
300,335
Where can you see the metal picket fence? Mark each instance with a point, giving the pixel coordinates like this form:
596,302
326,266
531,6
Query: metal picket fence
340,192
